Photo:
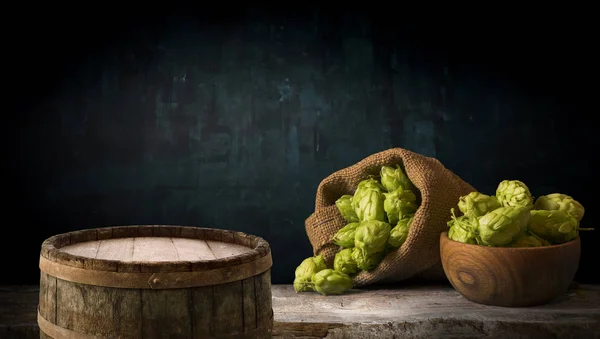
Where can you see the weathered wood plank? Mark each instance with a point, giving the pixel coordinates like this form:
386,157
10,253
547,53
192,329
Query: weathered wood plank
166,311
91,309
405,312
263,298
224,250
202,300
249,304
85,249
47,297
430,312
192,249
228,311
154,249
116,249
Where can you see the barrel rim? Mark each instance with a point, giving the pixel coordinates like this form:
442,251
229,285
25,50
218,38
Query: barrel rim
50,248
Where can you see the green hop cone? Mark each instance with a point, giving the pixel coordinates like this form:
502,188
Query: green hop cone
556,226
303,284
328,282
561,202
476,204
344,262
304,272
372,236
459,234
368,201
529,240
514,193
399,233
366,262
468,223
345,236
392,178
364,187
398,204
461,229
344,205
502,226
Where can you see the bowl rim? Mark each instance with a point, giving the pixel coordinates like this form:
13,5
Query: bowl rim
569,243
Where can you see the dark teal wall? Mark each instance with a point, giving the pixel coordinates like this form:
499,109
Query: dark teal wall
233,125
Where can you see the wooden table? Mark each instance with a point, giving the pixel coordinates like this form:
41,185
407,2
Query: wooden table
402,312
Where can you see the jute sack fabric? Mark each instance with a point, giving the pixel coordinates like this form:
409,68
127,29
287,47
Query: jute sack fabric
419,256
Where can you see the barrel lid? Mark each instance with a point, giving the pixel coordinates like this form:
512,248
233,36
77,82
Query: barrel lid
156,249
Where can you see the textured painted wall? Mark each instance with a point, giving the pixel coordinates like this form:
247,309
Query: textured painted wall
233,126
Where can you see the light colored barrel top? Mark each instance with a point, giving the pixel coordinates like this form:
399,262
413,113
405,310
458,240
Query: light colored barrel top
151,249
155,248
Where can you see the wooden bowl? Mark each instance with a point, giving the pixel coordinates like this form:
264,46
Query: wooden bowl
509,277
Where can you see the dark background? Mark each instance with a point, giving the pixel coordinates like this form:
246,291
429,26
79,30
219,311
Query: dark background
230,118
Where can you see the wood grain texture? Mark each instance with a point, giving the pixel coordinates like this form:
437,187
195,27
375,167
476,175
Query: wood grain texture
148,249
430,312
509,277
406,311
238,308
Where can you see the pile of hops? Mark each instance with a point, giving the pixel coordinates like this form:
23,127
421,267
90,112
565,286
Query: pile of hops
379,215
512,219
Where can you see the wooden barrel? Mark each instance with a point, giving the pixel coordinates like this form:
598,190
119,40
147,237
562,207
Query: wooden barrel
155,282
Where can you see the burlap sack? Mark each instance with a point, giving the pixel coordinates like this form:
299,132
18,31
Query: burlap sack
419,256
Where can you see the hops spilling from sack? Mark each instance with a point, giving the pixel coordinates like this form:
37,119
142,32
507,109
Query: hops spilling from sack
378,217
511,218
